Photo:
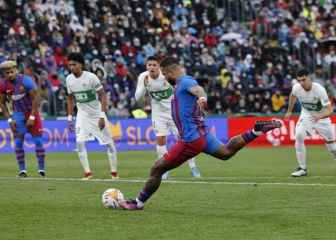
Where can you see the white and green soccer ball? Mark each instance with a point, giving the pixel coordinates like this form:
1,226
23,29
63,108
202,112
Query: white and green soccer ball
112,197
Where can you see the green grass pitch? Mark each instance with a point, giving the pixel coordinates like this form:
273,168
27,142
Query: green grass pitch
248,197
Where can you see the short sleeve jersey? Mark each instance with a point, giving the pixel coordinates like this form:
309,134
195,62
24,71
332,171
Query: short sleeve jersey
186,113
84,89
18,91
314,100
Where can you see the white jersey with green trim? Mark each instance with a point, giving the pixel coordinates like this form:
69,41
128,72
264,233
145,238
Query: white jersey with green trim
84,89
313,101
160,91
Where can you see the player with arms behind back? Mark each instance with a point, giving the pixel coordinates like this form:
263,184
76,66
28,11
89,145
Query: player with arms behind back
161,92
315,113
26,118
91,120
187,104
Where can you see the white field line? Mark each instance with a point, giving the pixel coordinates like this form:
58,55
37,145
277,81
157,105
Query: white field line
173,182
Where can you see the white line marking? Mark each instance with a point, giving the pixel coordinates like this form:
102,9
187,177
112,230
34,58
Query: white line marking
174,182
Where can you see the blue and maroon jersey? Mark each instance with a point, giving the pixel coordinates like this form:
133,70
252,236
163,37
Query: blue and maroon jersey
18,90
186,113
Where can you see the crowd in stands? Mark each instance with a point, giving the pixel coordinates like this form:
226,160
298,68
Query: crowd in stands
244,53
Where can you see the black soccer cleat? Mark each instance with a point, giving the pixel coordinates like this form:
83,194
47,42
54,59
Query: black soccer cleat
22,174
265,126
42,173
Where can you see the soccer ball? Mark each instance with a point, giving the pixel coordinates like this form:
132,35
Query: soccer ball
112,197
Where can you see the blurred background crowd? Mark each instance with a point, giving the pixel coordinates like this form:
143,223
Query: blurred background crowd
244,53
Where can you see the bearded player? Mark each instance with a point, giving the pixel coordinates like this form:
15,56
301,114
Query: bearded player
188,103
161,92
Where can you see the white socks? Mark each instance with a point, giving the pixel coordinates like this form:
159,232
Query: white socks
191,163
112,156
139,203
83,157
161,150
301,153
257,133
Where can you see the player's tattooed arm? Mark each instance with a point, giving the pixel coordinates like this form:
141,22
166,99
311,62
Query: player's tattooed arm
103,99
291,103
70,103
35,101
3,106
5,112
199,92
35,105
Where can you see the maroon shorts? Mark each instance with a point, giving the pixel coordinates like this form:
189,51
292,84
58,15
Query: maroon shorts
183,151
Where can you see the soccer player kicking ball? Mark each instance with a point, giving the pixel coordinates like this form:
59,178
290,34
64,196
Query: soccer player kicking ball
23,92
91,120
316,109
161,92
187,104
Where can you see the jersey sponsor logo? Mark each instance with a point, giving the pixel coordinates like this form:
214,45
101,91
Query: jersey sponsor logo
18,97
85,96
312,106
163,94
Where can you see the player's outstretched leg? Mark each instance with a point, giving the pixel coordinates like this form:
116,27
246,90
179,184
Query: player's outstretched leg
160,167
176,156
20,155
40,154
236,143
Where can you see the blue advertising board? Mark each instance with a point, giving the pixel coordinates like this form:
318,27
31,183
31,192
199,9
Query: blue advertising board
129,134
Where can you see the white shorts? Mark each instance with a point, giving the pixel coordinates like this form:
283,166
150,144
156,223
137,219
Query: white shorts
323,127
164,127
87,129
